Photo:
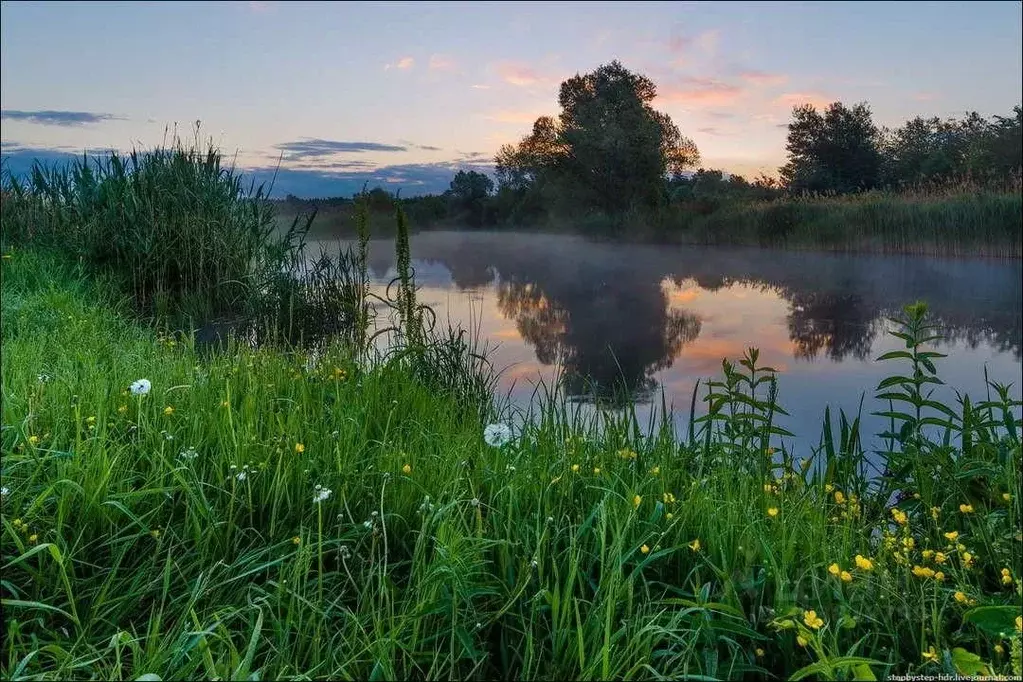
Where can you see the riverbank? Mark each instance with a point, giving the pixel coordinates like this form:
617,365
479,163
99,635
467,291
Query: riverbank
282,514
952,222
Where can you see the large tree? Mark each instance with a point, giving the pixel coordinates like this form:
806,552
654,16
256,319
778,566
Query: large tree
608,148
836,151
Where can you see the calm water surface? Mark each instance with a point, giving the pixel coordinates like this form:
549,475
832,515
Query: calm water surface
657,318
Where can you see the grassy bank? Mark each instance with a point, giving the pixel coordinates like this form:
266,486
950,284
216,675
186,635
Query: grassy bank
296,516
952,222
940,224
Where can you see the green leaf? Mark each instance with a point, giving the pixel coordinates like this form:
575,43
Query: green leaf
968,664
999,621
895,354
862,671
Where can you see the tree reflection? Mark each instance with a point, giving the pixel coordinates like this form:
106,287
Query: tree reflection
835,324
609,340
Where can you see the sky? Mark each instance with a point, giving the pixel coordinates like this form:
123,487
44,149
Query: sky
402,95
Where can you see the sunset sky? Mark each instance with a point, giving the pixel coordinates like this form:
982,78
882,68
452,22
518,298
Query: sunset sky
402,95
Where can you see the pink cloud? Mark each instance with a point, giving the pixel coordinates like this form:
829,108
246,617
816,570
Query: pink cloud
794,99
440,62
480,87
522,75
700,92
403,64
763,78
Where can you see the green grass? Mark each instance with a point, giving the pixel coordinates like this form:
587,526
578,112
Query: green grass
951,223
175,535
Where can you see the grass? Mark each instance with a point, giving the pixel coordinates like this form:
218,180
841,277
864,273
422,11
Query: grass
947,223
290,511
175,535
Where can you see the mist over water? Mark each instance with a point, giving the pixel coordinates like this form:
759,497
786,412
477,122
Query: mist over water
648,319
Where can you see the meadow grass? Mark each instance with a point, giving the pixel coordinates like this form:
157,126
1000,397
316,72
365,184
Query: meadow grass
955,221
269,514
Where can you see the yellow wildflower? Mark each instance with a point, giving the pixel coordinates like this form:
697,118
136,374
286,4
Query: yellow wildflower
834,569
772,512
940,558
224,403
669,498
407,469
999,649
296,540
656,471
900,517
801,641
1006,577
92,420
155,533
908,544
828,488
32,440
759,652
596,471
839,497
644,549
575,468
934,512
669,516
960,597
122,409
168,410
299,448
1006,496
927,553
1019,623
930,655
967,559
923,572
626,453
966,508
863,563
812,620
939,576
952,535
695,545
846,577
636,501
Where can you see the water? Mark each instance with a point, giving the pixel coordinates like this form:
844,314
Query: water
657,318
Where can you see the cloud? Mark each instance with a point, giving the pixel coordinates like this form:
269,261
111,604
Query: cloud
925,96
513,116
440,62
706,42
312,148
404,63
794,99
700,92
49,117
480,87
763,78
711,130
17,158
522,75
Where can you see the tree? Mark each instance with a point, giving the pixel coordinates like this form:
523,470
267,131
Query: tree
608,148
837,151
471,187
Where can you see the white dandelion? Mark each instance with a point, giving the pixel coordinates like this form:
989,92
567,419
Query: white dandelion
241,475
497,435
140,387
4,492
188,455
320,494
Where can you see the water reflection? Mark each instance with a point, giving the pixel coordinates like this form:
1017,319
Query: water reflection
614,316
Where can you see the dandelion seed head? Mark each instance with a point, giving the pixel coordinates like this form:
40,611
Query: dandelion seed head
497,435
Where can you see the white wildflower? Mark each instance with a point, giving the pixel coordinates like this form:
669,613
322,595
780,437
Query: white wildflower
4,492
497,435
320,494
241,475
43,378
188,454
140,387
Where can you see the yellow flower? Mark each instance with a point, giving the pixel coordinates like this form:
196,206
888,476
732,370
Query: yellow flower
916,496
122,409
900,516
32,440
834,569
644,549
669,498
939,576
772,512
812,620
1006,496
768,488
908,544
940,558
695,545
168,410
33,538
155,533
967,559
407,469
296,540
299,448
759,652
636,501
656,471
846,577
966,508
923,572
952,535
669,516
934,513
339,373
839,497
626,453
92,420
1006,577
801,641
575,468
1019,623
999,649
596,471
930,655
961,597
927,553
828,488
863,563
224,403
